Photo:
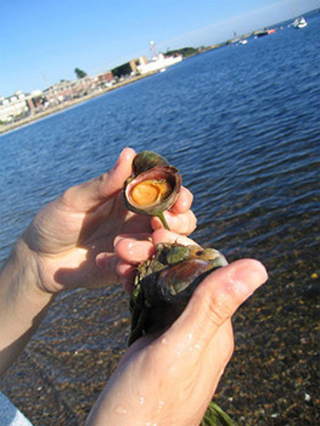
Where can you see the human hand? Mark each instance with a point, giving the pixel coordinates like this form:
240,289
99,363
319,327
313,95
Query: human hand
70,244
169,379
71,239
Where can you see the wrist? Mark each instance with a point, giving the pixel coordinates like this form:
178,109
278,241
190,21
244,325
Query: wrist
23,272
22,303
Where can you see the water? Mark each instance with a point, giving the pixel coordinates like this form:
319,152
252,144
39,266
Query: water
242,125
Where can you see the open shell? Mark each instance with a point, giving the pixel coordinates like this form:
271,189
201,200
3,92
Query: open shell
154,185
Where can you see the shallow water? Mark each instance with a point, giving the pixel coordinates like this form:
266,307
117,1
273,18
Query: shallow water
242,125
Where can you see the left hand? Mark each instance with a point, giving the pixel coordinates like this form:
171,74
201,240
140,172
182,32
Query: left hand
69,244
72,237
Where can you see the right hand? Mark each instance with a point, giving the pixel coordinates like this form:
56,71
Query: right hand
169,379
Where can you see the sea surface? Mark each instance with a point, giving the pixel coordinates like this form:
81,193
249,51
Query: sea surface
242,123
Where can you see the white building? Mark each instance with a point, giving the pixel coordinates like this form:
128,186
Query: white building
13,106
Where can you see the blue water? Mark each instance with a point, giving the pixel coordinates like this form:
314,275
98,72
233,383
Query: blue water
242,123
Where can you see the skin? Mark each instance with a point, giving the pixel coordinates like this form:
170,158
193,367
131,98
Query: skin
69,244
168,379
86,238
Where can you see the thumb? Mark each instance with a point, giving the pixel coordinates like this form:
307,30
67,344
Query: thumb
89,195
216,300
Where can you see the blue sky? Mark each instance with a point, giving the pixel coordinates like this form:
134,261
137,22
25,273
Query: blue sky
42,42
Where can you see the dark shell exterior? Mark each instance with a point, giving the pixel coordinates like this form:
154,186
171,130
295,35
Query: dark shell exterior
164,285
147,160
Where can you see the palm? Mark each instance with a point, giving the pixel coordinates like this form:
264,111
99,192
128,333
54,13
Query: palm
68,234
66,242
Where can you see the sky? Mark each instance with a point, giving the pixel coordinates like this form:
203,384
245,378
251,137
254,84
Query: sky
43,41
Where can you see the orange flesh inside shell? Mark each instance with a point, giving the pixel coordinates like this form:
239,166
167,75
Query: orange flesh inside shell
150,191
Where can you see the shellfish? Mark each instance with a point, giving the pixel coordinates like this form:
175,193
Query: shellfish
165,283
153,187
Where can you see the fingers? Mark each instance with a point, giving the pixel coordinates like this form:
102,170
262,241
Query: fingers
91,194
216,300
112,270
184,202
180,218
164,236
127,273
133,250
184,223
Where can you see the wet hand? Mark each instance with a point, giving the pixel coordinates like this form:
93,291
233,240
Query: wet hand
134,249
71,240
169,379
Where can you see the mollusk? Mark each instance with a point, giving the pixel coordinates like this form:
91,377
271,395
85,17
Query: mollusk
165,283
153,187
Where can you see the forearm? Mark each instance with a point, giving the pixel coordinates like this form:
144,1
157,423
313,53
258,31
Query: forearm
22,304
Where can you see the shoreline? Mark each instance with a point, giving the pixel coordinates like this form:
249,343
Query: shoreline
5,128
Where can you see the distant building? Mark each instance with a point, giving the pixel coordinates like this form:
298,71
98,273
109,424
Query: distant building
123,70
13,107
105,78
67,90
135,63
35,99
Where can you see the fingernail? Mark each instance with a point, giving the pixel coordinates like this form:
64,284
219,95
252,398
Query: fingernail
251,275
120,158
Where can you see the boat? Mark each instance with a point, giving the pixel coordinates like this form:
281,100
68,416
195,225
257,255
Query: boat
300,23
261,33
158,63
